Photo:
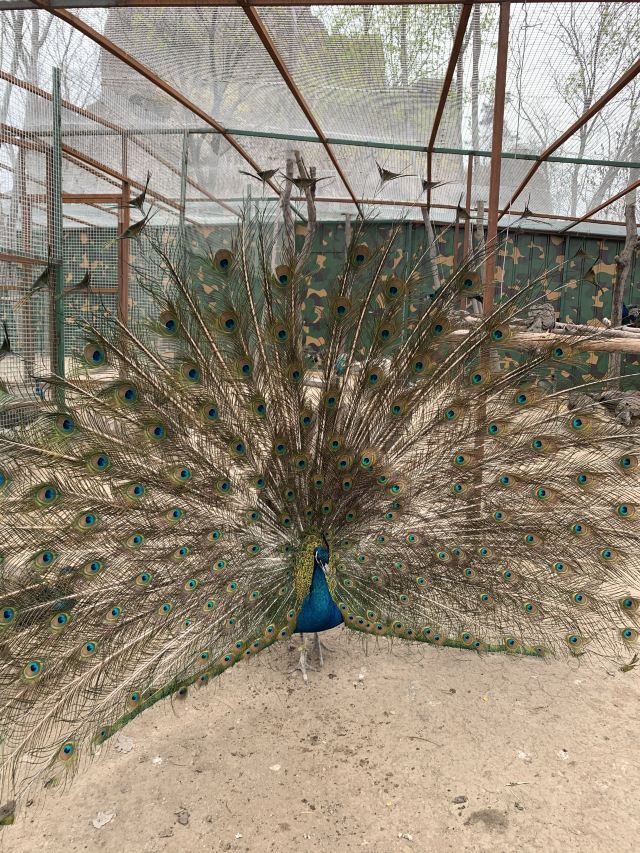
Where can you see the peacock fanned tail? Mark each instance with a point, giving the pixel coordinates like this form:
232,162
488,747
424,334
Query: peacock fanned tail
161,524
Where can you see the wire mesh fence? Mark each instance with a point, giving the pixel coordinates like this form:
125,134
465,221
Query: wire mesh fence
193,99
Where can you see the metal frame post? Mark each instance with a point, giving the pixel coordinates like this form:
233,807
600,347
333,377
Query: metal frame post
496,148
183,183
124,220
56,238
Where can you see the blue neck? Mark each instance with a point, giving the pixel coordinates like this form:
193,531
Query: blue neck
319,612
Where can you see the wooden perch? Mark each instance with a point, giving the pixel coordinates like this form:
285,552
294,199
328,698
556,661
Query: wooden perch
311,210
603,340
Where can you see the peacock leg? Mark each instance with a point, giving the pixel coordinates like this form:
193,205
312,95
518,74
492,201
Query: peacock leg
319,647
302,665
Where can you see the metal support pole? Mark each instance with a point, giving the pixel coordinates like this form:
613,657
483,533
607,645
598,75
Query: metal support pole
55,190
183,183
467,205
124,220
28,347
496,148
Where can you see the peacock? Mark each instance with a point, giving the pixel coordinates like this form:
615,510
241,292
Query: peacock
198,487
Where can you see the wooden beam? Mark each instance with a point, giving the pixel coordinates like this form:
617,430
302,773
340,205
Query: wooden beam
632,186
270,46
94,117
586,116
456,47
16,258
105,43
107,4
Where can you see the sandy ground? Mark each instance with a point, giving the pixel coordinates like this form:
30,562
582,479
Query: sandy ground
402,749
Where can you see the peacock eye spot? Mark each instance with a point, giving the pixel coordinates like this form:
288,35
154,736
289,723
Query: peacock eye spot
493,429
521,398
224,263
558,352
360,259
373,378
497,335
477,378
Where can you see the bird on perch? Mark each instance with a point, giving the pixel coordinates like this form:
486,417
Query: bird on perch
195,492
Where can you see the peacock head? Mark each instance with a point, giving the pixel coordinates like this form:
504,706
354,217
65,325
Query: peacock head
321,556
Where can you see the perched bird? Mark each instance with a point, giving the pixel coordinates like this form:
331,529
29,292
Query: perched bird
41,283
265,175
83,285
386,175
139,200
625,405
542,317
133,232
5,349
462,212
198,497
433,185
528,214
631,316
303,183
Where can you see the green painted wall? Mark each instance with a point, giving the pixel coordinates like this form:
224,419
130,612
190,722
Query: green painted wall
525,256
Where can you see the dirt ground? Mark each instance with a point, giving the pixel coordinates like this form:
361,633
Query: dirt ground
385,749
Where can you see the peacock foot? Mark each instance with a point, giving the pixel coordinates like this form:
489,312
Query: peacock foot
317,649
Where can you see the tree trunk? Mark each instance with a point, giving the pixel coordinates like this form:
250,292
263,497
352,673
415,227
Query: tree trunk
624,264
